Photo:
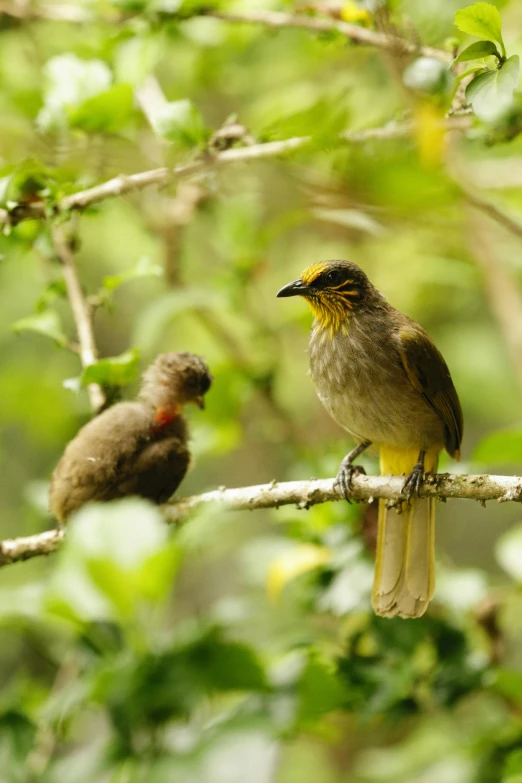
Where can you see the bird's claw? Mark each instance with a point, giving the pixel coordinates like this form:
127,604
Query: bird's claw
413,483
344,478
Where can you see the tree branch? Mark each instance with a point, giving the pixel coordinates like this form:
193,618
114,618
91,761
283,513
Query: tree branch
319,24
67,12
127,183
80,310
302,494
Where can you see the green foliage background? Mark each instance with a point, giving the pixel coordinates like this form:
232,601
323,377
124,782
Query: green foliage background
203,654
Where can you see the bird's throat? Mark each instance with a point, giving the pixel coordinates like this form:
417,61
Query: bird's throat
332,315
165,415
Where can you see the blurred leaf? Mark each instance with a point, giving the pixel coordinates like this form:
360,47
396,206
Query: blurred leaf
155,577
508,551
226,665
56,289
476,51
500,447
292,563
152,322
320,691
513,768
491,93
126,531
17,735
481,19
144,268
138,56
428,74
180,122
324,119
106,112
69,82
509,683
116,556
46,322
30,182
113,370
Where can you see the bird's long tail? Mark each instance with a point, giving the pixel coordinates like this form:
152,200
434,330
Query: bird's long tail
404,580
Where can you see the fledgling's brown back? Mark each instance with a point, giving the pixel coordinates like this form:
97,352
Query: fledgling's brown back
134,448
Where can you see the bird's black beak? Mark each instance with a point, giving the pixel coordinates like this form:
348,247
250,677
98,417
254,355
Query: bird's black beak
297,288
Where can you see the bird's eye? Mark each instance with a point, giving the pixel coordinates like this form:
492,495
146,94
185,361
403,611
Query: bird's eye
334,277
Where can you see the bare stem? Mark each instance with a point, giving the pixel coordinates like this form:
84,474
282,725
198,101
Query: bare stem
302,494
80,310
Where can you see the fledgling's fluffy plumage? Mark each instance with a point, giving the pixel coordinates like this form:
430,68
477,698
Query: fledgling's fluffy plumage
134,448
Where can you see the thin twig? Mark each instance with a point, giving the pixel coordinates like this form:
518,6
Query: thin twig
80,310
361,35
512,225
67,12
302,494
127,183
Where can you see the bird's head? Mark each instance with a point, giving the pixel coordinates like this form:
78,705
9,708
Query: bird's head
333,289
175,379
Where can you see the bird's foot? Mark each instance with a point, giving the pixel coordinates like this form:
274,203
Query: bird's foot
413,483
345,475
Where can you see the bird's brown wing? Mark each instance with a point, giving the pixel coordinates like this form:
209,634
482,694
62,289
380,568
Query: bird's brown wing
156,470
429,374
90,468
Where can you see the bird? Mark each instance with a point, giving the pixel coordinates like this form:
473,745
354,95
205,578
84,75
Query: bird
381,378
134,448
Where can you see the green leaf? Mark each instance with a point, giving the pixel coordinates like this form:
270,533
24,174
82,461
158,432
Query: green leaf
56,289
107,112
70,81
144,268
476,51
501,447
481,19
320,691
224,665
47,323
155,577
508,552
468,72
17,737
491,93
137,57
180,122
113,370
509,683
513,768
30,181
117,556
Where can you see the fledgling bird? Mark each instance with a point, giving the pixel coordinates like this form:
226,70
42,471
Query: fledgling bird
134,448
382,379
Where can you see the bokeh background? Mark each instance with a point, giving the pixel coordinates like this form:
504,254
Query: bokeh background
241,647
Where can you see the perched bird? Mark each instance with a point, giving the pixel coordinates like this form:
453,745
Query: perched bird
134,448
382,379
